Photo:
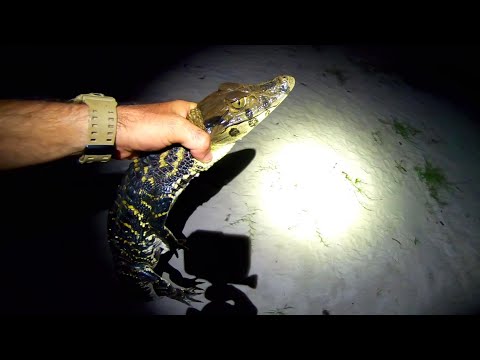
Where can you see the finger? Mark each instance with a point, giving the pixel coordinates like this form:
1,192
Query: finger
192,137
181,107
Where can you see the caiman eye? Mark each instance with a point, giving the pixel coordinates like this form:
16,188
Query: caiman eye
239,103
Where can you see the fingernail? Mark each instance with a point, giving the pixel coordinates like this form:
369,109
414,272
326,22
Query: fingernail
208,157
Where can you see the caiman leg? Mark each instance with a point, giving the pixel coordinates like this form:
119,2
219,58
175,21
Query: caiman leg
140,278
164,288
161,286
173,241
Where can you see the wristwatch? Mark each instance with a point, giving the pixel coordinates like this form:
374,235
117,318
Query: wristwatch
102,127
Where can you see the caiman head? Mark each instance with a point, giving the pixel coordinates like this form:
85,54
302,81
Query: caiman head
234,110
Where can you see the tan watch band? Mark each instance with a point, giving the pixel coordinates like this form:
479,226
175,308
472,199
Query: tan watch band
102,127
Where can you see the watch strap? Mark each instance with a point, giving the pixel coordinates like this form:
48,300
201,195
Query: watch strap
102,127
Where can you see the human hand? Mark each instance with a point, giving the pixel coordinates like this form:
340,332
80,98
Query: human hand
152,127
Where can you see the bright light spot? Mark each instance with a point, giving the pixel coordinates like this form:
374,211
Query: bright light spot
304,192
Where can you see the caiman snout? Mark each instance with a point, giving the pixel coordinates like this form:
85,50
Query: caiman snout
287,83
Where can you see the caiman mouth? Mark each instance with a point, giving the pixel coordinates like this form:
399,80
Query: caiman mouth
275,92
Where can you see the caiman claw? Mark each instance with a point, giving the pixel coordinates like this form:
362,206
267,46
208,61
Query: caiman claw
186,296
182,244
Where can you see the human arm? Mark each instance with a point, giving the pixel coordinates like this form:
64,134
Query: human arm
34,132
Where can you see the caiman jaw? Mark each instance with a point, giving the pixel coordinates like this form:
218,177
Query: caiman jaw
280,87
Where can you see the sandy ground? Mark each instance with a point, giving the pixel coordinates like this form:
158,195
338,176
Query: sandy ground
337,217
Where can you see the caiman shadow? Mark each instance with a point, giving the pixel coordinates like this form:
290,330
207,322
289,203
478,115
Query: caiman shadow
206,186
221,259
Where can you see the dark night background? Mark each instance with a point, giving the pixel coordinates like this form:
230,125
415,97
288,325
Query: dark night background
63,71
50,258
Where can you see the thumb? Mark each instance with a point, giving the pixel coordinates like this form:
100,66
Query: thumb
193,138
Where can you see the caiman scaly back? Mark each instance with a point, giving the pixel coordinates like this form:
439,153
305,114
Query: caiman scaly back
137,233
